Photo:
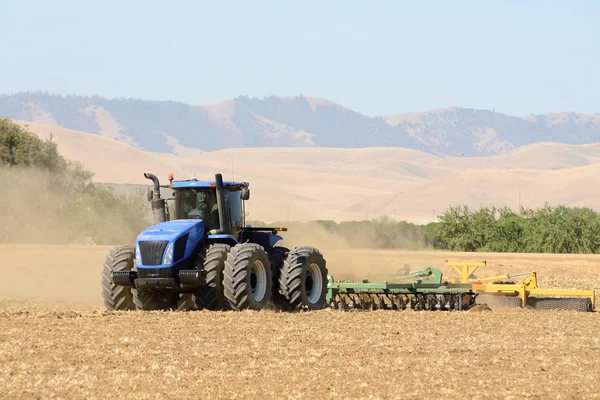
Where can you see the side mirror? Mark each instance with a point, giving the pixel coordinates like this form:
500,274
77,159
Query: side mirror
150,194
245,193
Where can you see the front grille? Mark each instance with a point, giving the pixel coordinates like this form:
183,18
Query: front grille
152,252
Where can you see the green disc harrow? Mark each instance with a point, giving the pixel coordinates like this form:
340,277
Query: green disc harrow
419,290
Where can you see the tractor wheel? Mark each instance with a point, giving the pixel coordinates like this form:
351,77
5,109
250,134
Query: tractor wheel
150,301
303,280
186,302
276,257
118,297
212,260
247,277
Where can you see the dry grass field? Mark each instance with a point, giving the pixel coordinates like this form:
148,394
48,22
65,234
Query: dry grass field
56,340
344,184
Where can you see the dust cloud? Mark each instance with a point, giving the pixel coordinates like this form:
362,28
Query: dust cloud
330,244
347,260
53,273
31,209
46,208
315,235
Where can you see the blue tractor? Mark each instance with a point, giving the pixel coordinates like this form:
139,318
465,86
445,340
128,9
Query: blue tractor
199,254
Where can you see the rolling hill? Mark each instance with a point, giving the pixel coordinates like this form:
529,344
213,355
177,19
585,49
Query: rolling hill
354,183
282,122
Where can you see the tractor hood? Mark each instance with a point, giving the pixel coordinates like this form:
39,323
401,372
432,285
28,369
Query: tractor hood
171,230
168,243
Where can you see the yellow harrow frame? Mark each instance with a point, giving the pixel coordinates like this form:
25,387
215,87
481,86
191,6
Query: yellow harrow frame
528,291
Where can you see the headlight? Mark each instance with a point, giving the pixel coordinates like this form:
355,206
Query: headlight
138,256
169,254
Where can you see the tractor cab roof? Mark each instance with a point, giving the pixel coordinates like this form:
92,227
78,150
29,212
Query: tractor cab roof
194,183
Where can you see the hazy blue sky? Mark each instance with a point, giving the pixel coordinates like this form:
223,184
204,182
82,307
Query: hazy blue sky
376,57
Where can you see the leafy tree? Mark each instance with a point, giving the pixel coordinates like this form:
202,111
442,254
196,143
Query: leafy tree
456,230
506,233
19,147
548,229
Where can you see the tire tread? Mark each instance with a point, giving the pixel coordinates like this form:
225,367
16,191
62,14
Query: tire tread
236,276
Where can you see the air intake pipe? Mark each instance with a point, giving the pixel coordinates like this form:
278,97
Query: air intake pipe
159,212
223,228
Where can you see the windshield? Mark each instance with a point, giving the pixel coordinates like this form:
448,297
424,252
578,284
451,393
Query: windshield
201,203
198,204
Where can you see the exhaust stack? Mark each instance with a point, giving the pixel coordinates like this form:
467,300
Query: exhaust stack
223,228
159,213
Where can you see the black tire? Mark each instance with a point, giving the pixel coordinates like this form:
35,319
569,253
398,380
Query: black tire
118,297
297,283
247,278
276,258
212,260
186,302
150,301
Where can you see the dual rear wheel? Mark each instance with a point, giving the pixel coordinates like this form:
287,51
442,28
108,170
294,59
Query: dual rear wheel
247,277
303,280
291,280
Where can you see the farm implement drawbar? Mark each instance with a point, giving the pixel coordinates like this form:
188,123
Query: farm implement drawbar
427,289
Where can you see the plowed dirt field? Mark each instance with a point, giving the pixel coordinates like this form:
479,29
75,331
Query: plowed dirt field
56,340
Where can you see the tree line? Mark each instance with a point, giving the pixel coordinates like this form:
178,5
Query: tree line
550,229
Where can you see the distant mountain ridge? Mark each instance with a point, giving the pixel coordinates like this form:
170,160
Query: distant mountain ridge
298,121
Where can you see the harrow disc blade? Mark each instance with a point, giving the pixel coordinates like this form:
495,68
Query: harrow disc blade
560,303
404,301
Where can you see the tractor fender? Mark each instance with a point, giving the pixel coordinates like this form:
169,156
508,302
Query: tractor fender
274,239
222,238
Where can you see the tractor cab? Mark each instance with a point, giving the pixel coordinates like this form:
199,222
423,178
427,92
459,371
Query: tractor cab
199,200
193,199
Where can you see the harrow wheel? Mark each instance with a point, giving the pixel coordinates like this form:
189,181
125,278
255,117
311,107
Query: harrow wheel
303,280
212,259
560,303
247,278
118,297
